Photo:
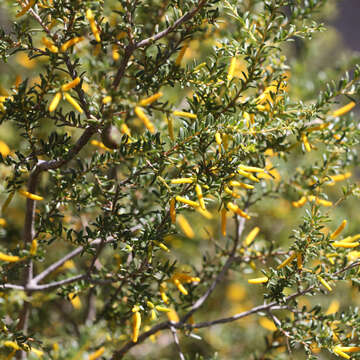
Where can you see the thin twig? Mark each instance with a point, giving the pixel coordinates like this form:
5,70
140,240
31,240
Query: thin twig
285,333
239,229
176,341
181,325
50,269
131,47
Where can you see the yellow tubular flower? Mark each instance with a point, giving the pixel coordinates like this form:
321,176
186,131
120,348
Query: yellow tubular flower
355,237
182,181
71,42
251,236
97,354
150,304
55,102
286,261
30,196
325,283
232,67
2,222
241,184
299,260
153,315
260,280
199,194
11,344
4,149
218,138
337,351
124,129
49,45
345,109
234,208
141,115
247,118
170,127
163,295
94,29
185,226
184,277
136,323
230,192
161,246
251,169
340,177
346,245
100,145
181,54
348,348
318,127
338,230
205,213
33,248
324,202
223,221
172,316
187,201
300,203
185,114
180,287
248,175
25,8
115,53
172,211
267,324
73,102
9,258
150,99
306,143
333,307
89,15
38,352
71,84
106,100
75,300
162,308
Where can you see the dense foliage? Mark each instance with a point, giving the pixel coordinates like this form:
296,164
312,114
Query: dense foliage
168,166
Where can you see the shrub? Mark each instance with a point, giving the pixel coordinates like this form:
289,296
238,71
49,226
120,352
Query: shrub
183,165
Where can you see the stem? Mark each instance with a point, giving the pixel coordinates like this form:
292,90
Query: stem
176,340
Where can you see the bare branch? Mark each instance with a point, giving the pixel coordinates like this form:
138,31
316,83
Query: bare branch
11,286
55,284
120,73
61,261
176,341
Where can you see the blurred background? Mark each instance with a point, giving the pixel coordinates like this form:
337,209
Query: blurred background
347,22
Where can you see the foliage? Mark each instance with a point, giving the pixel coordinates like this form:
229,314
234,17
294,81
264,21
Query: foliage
173,156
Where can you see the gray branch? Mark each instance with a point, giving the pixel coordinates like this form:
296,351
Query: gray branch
176,341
